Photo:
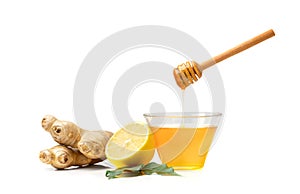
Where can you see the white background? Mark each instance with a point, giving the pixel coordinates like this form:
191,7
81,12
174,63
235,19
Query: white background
42,45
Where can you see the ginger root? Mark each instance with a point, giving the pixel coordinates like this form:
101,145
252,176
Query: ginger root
90,143
61,157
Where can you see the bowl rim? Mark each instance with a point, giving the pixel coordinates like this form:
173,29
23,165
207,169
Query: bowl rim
182,114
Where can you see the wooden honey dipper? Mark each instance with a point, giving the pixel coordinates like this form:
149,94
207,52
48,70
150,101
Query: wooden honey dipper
187,73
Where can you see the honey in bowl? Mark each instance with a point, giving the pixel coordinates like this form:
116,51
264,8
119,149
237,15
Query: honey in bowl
184,148
183,140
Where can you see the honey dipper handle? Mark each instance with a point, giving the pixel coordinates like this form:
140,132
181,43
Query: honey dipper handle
239,48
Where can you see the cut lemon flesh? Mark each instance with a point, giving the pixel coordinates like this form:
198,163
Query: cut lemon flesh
131,145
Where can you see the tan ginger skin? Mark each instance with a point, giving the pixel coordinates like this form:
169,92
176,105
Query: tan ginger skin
61,157
90,143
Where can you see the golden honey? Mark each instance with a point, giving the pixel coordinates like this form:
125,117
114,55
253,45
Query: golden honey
184,148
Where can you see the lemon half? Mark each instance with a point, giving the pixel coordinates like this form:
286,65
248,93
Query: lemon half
130,146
